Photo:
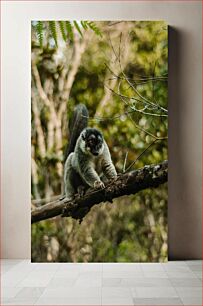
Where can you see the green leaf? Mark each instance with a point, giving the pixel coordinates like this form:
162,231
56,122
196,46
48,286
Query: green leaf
39,32
77,27
84,25
94,28
69,29
52,27
62,29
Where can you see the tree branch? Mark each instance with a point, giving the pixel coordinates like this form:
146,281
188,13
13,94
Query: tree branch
129,183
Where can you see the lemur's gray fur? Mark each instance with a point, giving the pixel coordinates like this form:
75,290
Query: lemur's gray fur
90,164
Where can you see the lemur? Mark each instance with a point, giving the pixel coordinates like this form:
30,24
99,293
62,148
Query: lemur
88,162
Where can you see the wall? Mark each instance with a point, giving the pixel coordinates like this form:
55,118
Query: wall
184,18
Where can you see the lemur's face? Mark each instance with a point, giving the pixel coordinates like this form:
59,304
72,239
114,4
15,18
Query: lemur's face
93,141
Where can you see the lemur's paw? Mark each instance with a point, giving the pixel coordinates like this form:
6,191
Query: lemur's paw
99,185
81,191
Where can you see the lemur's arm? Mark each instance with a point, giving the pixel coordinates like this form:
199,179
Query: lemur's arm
68,187
107,164
90,176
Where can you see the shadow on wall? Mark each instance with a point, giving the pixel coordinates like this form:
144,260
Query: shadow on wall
182,195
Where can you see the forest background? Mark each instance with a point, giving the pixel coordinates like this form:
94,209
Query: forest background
119,70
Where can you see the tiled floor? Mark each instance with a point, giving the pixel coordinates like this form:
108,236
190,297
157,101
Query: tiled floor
172,283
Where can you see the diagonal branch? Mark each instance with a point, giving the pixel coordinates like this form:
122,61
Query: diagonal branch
129,183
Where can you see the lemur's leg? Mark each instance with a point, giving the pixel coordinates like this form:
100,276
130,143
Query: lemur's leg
69,189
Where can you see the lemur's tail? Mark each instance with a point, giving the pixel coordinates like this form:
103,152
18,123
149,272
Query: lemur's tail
77,124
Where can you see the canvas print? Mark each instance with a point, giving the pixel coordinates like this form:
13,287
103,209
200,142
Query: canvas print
99,141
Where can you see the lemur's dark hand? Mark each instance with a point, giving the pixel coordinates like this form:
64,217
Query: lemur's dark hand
99,185
81,190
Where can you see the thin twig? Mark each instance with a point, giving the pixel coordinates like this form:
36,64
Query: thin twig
133,163
124,165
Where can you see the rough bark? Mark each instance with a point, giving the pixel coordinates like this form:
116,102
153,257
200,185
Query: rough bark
150,176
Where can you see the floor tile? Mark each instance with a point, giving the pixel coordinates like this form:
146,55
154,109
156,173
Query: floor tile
96,267
175,263
119,267
189,291
169,283
155,274
11,261
122,274
115,292
198,274
9,292
196,268
60,282
85,282
111,282
28,292
6,268
185,282
69,301
192,301
90,274
117,301
176,268
14,276
193,262
153,292
82,292
178,274
70,267
22,301
37,279
152,267
67,273
145,282
46,267
4,301
157,301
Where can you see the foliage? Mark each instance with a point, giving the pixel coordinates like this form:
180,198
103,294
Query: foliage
130,58
52,26
65,28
